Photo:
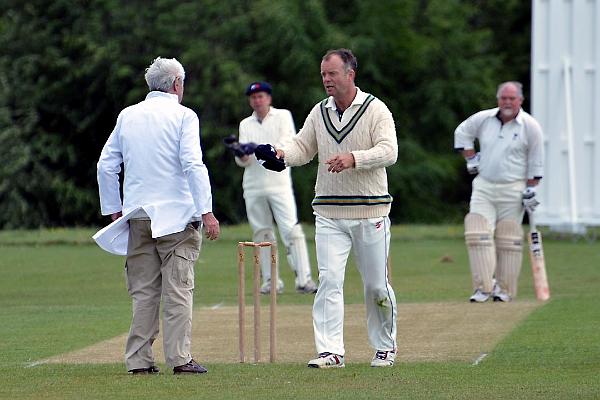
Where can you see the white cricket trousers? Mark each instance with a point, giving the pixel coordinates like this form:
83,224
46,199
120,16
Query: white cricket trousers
281,207
497,201
370,241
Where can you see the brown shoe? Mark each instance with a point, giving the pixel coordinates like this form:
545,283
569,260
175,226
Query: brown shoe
191,367
144,371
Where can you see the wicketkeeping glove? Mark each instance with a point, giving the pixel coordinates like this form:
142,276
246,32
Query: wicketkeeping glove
238,149
529,200
473,163
267,157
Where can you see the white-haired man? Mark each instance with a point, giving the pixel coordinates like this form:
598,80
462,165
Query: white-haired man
509,166
167,200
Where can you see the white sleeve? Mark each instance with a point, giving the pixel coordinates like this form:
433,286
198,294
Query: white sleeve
190,156
535,150
287,129
466,133
108,169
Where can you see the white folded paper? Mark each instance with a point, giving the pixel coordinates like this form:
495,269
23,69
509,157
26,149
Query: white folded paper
114,237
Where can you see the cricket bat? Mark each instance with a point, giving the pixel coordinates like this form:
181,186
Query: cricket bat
538,263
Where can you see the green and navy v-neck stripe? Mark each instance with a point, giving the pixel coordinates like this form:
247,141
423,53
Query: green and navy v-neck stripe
352,200
339,135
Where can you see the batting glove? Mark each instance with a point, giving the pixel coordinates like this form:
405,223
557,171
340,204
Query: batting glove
473,163
529,200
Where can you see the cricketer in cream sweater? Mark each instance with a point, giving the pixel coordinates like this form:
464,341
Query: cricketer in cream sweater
354,135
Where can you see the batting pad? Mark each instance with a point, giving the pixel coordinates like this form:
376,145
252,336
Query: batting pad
509,248
266,235
298,255
482,254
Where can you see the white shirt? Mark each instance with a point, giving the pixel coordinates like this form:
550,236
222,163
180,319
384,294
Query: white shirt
276,128
158,141
509,152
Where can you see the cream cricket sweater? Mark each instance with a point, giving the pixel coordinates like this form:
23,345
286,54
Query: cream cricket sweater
367,130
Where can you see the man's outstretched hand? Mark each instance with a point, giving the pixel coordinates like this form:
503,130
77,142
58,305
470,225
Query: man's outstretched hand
267,157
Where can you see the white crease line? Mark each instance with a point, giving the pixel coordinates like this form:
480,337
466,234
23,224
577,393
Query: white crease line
480,358
35,363
216,306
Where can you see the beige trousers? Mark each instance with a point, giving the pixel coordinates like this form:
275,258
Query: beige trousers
155,268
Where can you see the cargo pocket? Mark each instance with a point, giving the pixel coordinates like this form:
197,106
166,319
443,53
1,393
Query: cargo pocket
127,278
183,267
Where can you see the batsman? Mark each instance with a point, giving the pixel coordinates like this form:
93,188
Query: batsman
269,195
509,166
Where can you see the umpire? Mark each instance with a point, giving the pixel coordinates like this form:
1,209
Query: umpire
167,199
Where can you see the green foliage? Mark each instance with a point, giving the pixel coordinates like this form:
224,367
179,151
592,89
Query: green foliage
424,185
68,67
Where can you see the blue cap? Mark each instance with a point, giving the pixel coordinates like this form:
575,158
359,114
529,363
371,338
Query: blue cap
255,87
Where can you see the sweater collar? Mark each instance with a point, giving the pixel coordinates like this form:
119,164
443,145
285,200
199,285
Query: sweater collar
359,99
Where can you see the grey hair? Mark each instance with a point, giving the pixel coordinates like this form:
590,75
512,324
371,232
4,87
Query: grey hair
516,84
349,60
161,74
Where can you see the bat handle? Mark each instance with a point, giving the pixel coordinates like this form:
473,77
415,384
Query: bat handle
532,225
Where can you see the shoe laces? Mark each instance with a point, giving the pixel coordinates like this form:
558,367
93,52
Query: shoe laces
335,358
382,355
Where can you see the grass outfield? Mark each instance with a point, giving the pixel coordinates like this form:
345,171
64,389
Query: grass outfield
60,293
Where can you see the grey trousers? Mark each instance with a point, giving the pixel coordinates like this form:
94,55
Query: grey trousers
155,268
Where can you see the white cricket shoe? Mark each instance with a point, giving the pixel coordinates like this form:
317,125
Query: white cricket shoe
310,287
479,297
500,295
327,360
266,287
383,358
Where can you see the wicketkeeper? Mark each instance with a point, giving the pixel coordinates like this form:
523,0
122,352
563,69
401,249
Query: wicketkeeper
268,194
509,166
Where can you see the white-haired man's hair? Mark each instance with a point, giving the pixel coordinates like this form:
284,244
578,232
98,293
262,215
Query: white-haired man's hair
161,74
516,84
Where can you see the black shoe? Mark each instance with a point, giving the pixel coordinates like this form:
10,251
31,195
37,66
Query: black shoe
144,371
190,368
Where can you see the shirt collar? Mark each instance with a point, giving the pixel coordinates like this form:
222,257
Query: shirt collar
255,116
518,118
156,93
359,99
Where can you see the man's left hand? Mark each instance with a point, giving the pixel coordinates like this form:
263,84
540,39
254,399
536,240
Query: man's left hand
529,200
340,162
116,216
211,226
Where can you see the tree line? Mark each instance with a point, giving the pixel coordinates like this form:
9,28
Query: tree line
67,68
